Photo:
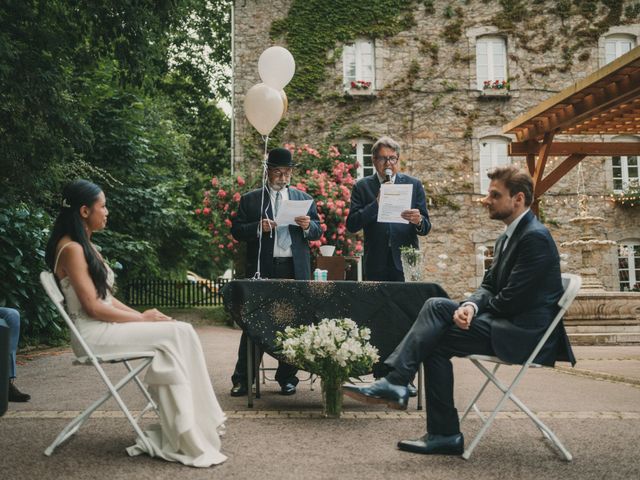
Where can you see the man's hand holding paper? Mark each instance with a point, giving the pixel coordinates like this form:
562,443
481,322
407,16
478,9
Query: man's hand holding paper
291,211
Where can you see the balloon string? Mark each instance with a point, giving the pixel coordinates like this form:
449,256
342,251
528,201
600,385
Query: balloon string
262,207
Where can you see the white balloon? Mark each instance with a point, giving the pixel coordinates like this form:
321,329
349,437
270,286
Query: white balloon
276,67
263,107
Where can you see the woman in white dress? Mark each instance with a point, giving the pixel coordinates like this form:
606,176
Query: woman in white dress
190,415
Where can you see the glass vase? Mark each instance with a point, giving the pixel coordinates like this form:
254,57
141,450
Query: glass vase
331,396
412,268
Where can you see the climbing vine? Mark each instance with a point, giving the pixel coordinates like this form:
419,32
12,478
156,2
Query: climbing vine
313,28
583,22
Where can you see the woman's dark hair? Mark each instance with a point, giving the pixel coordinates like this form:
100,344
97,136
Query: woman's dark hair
69,222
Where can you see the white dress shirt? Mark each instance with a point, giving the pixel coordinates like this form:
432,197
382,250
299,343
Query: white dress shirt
284,195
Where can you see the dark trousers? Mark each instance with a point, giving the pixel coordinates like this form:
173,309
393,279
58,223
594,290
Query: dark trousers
433,340
385,270
285,373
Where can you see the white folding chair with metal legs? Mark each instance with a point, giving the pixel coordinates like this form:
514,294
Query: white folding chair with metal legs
49,283
571,284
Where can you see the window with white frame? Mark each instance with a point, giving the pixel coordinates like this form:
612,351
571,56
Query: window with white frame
629,264
358,62
617,45
361,155
624,168
493,153
486,256
484,260
491,60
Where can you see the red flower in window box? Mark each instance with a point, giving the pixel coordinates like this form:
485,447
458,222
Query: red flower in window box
496,85
360,85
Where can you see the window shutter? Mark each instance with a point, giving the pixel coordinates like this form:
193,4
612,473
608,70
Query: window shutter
482,63
349,60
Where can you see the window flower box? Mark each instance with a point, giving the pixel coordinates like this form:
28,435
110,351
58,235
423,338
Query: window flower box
360,88
360,85
496,88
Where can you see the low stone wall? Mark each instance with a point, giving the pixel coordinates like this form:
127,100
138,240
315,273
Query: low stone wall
604,318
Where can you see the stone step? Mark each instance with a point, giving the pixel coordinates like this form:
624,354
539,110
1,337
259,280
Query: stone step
604,338
603,328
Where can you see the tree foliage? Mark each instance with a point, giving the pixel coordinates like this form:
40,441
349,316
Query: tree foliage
121,93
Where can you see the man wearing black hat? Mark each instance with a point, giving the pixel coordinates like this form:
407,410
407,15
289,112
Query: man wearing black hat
284,252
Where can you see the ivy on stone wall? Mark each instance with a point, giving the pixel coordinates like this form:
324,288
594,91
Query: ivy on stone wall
312,28
583,23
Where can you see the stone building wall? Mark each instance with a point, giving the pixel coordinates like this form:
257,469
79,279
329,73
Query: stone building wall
438,117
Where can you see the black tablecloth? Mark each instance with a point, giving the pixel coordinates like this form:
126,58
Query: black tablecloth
263,307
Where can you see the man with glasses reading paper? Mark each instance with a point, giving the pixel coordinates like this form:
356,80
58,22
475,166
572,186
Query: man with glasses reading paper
382,241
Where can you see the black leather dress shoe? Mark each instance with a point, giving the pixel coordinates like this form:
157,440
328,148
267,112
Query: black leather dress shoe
434,444
239,390
394,396
413,391
287,389
16,395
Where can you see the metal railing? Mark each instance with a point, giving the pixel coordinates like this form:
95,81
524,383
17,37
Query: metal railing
173,293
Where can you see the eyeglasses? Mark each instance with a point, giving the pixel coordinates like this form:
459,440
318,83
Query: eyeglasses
280,173
392,159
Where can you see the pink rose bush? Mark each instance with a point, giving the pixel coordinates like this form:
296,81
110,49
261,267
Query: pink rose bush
327,175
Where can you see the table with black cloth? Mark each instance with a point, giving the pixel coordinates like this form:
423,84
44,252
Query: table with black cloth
263,307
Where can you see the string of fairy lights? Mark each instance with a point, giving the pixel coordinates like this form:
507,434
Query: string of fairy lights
549,198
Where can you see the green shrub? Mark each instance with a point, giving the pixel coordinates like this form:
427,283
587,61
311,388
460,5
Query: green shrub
23,236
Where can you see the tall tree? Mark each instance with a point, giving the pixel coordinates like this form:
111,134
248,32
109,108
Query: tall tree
125,94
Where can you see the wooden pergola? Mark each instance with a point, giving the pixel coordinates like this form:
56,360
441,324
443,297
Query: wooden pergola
607,102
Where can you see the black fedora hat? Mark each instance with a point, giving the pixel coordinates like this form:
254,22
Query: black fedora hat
280,157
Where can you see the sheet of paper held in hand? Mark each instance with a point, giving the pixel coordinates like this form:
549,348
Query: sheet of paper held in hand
290,209
394,199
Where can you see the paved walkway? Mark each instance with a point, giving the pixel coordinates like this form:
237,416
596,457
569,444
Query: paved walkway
594,408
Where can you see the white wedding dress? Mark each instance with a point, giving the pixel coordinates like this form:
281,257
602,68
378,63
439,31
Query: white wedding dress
190,415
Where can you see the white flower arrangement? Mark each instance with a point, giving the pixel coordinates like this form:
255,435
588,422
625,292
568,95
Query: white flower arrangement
335,349
331,345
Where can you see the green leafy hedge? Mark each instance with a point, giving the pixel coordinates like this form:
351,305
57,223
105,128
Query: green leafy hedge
23,237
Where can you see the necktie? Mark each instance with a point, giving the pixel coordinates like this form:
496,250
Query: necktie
500,244
504,244
283,237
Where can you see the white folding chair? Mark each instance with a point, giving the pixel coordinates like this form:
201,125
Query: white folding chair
49,283
571,284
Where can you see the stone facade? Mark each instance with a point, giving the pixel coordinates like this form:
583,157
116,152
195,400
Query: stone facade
430,103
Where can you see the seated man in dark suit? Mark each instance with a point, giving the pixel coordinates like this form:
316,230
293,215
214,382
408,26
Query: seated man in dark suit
505,317
382,241
284,250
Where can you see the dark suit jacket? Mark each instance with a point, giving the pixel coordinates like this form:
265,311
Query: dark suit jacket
519,296
380,237
244,228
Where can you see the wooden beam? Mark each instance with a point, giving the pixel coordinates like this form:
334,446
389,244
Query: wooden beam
619,65
560,171
531,164
590,106
543,154
605,149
